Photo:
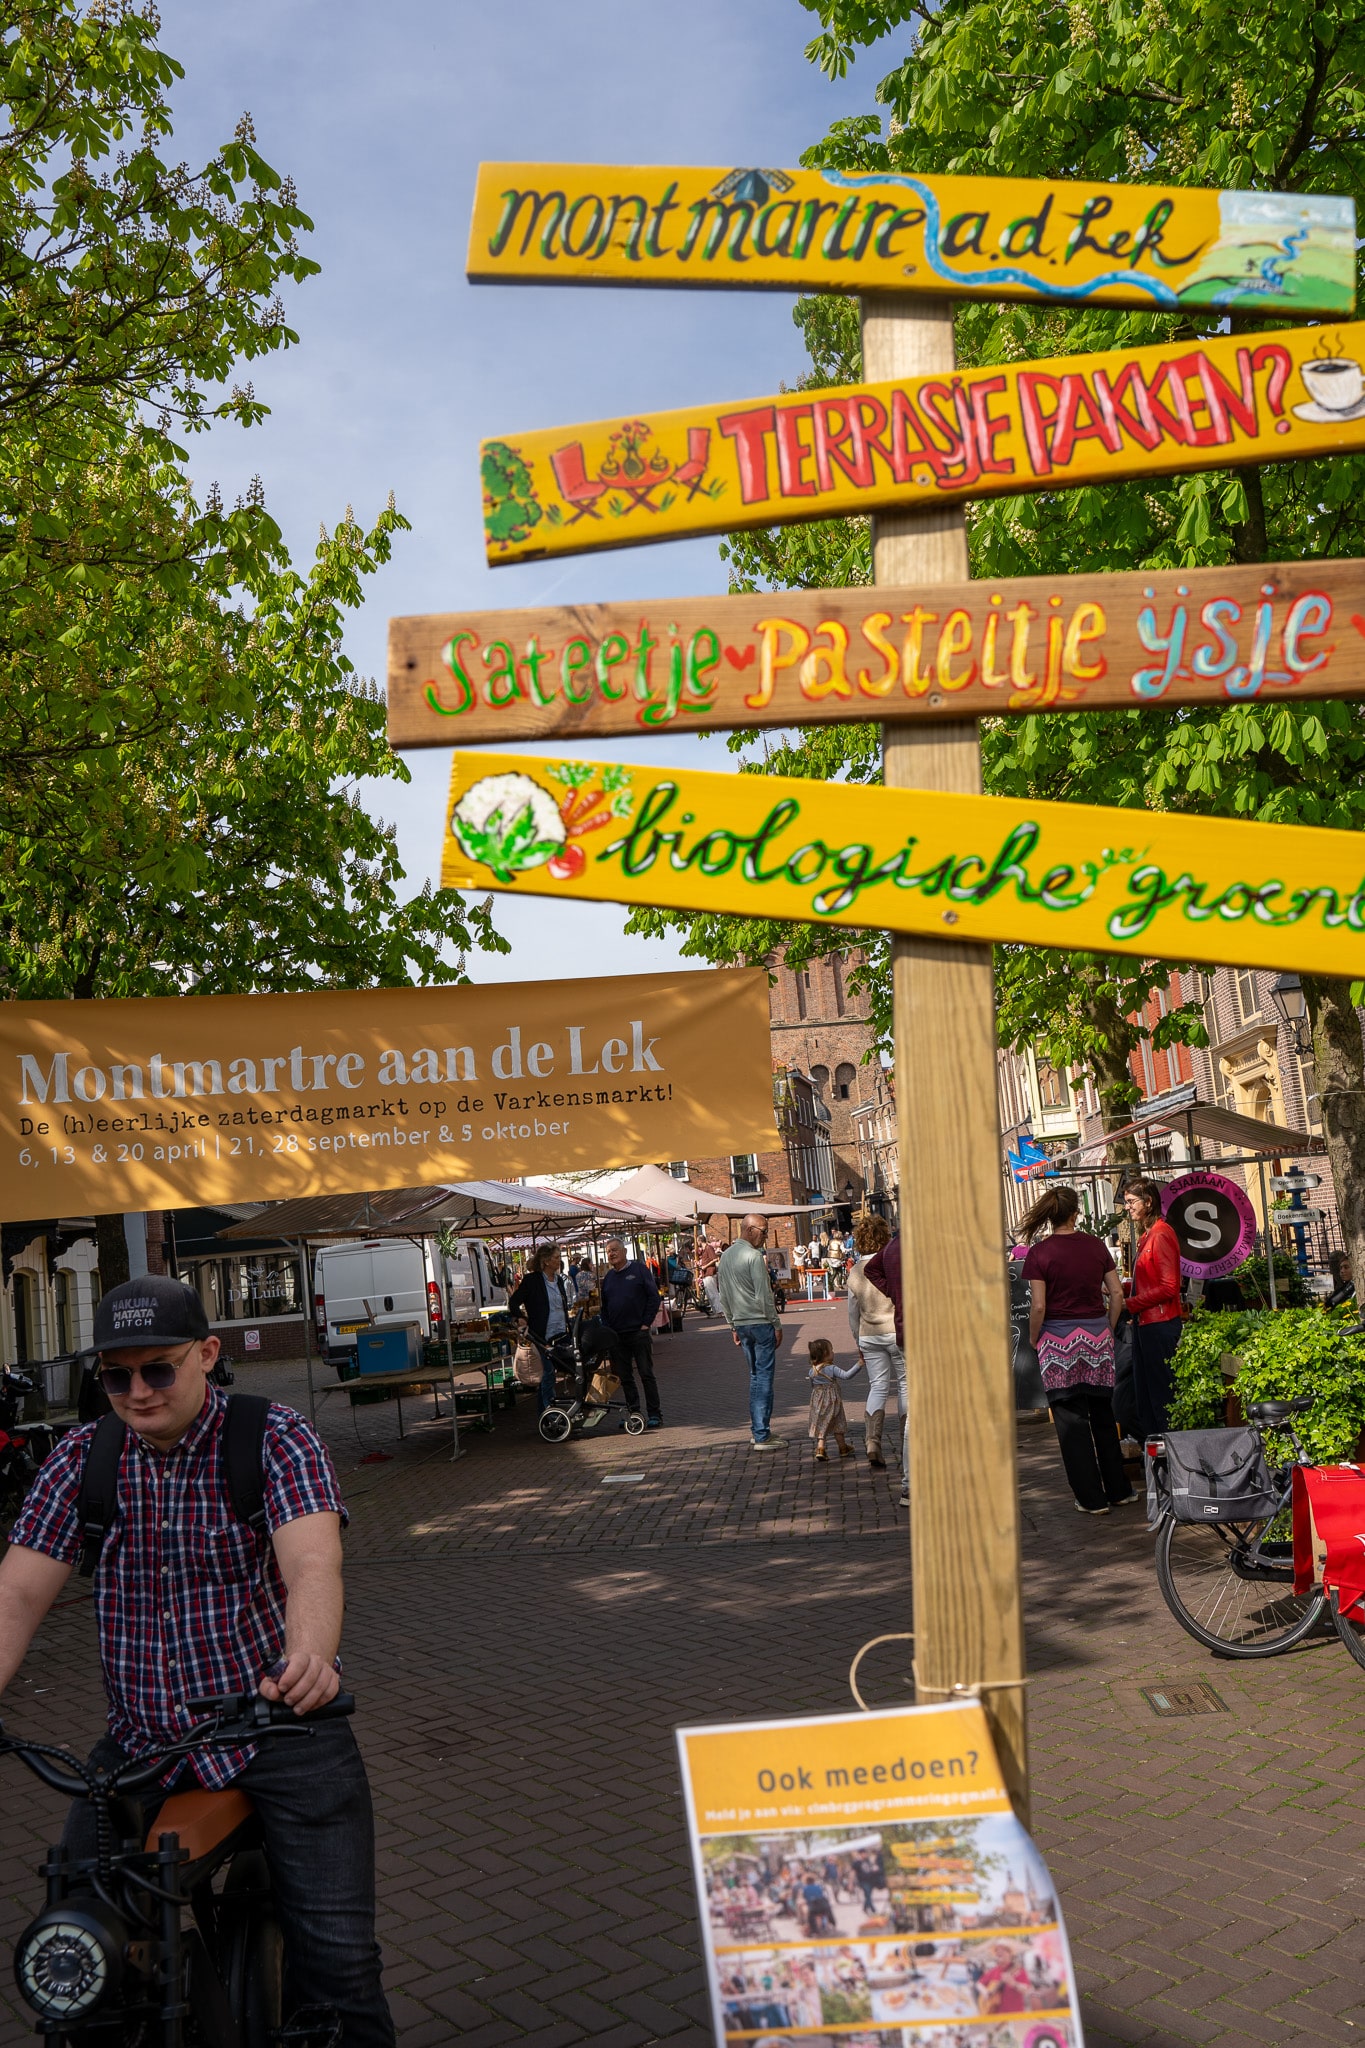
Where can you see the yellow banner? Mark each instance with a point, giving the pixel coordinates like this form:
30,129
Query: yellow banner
1040,426
1158,884
172,1102
826,230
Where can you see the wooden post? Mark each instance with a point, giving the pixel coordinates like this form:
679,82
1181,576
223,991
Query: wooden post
964,1500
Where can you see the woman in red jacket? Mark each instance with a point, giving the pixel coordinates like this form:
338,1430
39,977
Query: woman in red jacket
1153,1301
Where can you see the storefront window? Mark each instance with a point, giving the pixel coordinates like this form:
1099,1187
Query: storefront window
247,1289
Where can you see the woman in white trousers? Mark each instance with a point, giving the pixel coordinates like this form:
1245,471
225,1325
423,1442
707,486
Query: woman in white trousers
872,1321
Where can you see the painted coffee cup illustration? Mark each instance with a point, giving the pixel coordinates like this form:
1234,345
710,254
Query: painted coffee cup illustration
1335,383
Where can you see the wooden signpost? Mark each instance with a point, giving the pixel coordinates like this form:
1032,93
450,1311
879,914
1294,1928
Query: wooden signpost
927,857
954,866
928,653
1151,246
926,439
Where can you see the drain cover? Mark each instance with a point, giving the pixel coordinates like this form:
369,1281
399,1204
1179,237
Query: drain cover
1168,1700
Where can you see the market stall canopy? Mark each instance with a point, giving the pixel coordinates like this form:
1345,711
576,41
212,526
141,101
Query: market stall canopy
472,1208
681,1202
1181,1110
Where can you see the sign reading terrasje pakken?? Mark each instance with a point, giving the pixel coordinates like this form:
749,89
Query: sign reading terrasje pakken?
1022,427
1067,643
831,230
863,1883
168,1102
1159,884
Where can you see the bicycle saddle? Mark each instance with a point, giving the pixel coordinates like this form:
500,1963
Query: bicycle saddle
1277,1411
202,1819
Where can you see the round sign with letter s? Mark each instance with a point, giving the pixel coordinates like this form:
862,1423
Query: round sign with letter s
1214,1221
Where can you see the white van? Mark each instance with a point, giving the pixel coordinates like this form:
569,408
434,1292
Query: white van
387,1280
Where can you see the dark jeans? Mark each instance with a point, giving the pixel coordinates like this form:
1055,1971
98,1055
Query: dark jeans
314,1802
1153,1381
632,1348
758,1342
1088,1439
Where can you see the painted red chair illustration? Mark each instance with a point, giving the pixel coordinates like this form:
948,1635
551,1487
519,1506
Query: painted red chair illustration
693,470
576,487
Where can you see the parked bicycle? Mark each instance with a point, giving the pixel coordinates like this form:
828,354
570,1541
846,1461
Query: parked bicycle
110,1959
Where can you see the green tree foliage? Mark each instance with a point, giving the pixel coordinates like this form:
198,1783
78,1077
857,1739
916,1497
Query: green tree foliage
181,738
1180,92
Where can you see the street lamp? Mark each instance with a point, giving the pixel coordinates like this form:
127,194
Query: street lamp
1291,1007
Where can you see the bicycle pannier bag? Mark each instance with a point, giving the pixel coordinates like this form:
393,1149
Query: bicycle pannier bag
1218,1475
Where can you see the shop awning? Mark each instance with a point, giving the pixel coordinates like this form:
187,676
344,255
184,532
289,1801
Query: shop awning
1181,1110
476,1208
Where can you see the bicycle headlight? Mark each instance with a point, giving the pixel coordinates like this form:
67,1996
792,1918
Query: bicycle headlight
68,1961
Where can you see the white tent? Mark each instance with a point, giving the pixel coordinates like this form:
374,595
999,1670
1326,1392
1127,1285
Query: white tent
652,1188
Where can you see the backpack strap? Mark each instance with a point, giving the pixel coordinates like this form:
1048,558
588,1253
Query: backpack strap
244,1458
97,1502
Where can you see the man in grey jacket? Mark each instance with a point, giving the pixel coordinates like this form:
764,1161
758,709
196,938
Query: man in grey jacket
746,1297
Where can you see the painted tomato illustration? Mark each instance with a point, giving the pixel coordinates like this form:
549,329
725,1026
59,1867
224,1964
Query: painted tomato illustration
567,865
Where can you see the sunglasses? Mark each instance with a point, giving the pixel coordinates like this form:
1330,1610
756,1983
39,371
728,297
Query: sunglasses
156,1376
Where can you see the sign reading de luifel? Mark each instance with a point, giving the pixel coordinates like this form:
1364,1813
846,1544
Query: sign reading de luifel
947,651
1151,246
1023,427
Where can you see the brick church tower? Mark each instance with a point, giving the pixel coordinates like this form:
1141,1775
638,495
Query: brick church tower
819,1026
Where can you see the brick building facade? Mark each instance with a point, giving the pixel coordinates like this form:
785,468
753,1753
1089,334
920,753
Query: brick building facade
822,1027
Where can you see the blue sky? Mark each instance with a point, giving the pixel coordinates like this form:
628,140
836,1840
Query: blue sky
382,114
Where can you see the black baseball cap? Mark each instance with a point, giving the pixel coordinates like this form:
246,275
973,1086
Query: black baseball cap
151,1310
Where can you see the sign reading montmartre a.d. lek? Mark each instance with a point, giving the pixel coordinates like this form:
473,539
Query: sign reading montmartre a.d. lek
829,230
1163,885
1025,644
994,432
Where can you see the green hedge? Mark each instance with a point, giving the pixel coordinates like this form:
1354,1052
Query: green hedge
1294,1351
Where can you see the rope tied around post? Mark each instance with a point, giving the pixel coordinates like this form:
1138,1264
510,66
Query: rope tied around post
957,1691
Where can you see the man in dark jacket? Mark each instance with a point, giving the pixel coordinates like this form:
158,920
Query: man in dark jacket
630,1302
543,1303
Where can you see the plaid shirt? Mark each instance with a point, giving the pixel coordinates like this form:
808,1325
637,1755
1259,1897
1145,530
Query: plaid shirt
187,1600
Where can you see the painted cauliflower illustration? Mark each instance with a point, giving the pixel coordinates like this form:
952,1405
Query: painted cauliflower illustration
509,823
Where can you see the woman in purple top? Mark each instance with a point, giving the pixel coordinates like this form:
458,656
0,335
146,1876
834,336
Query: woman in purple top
1075,1302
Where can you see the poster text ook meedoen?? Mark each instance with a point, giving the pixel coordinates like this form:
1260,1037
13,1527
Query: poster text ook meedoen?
1158,884
173,1102
995,432
1063,241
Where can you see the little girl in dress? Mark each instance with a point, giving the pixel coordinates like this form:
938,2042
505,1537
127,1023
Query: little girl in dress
826,1402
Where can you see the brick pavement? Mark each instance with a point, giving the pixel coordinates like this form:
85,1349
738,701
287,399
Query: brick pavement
524,1639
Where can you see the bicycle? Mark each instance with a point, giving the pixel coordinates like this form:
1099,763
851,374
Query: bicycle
1230,1585
109,1961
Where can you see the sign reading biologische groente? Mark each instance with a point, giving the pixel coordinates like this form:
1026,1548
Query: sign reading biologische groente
995,432
1163,885
1069,643
828,230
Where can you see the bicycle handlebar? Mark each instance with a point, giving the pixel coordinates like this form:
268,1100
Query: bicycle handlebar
236,1717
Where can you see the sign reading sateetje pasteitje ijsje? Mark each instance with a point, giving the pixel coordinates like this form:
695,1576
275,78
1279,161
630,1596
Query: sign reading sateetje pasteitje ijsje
167,1102
831,230
1017,644
862,1880
1021,427
1159,884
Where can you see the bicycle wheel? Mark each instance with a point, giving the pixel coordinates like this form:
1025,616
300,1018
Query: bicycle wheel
1225,1600
1351,1629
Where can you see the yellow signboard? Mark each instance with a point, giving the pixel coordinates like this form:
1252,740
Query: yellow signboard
1038,426
170,1102
938,651
804,1836
1158,884
827,230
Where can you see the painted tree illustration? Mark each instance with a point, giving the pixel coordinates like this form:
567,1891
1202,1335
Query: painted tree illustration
509,498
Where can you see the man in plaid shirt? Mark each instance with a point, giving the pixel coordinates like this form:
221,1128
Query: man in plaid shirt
190,1601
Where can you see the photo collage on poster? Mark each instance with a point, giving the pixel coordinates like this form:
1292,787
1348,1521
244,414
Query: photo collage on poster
940,1933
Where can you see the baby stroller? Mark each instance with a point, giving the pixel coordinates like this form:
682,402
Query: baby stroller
585,1356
